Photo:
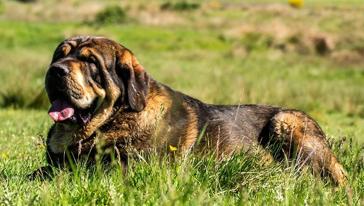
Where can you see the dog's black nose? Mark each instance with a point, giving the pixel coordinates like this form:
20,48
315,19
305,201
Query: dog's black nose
58,70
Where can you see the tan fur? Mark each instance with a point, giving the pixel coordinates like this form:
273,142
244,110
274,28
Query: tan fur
188,139
79,81
151,118
302,135
66,49
105,109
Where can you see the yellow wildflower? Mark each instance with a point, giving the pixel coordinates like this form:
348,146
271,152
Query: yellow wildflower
296,3
172,148
4,156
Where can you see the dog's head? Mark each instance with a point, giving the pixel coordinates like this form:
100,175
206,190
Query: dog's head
87,72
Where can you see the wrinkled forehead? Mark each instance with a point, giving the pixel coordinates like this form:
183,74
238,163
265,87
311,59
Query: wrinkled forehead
74,45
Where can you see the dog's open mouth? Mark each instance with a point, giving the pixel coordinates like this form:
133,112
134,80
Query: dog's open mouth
63,111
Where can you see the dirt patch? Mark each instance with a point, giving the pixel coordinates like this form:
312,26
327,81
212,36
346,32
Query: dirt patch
158,18
51,11
278,35
348,57
287,39
329,31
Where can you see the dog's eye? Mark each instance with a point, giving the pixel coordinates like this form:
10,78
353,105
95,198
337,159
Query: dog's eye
89,59
92,59
93,68
94,73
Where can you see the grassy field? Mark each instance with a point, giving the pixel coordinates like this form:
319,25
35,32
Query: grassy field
253,52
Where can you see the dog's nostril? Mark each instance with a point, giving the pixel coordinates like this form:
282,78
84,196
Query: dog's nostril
59,70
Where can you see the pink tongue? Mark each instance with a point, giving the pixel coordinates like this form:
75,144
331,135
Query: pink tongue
60,110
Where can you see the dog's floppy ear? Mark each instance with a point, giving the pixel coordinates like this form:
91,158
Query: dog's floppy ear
135,79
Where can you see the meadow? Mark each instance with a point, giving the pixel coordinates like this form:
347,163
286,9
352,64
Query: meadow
223,52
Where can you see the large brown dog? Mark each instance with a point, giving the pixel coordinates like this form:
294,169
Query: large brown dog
101,95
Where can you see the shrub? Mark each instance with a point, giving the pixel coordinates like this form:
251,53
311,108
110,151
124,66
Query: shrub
111,15
13,98
180,6
23,98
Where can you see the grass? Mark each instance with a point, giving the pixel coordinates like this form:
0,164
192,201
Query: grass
291,80
240,180
209,54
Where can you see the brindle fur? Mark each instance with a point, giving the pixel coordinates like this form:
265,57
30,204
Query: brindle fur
138,113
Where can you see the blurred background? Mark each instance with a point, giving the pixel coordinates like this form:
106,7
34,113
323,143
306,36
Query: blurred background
307,55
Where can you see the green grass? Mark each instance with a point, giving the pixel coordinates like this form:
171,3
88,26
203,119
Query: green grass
192,180
206,56
188,61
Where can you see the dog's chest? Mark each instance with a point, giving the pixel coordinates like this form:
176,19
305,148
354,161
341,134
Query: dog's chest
126,129
60,137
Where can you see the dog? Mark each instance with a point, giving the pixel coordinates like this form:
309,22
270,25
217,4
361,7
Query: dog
102,98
